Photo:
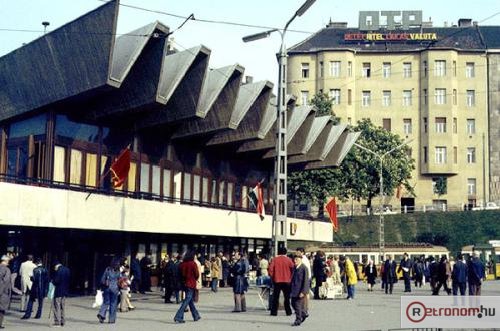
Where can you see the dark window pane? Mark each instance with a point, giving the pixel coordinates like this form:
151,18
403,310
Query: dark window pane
66,128
34,125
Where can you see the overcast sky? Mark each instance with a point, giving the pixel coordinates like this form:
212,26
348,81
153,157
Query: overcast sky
257,57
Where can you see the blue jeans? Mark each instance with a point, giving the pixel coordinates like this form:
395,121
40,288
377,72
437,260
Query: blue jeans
350,291
110,299
214,284
29,308
188,301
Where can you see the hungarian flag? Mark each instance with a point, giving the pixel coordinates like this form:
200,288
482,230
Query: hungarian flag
119,169
256,197
331,208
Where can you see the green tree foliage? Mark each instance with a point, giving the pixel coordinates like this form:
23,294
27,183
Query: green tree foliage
441,186
324,105
358,175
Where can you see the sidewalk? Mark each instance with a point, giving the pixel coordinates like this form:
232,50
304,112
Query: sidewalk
369,311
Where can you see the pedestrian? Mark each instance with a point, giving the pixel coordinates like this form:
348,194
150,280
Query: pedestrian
14,266
215,273
459,275
418,271
307,264
476,274
299,289
263,265
405,266
110,291
124,285
146,264
60,280
442,276
5,288
371,274
319,272
352,278
39,289
390,275
190,273
172,279
240,286
280,270
136,275
26,272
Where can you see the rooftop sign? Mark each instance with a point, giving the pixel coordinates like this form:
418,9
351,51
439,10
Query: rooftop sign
389,19
390,36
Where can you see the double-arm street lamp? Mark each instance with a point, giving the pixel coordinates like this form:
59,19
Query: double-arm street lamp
279,236
381,181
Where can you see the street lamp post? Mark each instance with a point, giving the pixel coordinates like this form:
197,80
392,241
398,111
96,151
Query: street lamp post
381,183
279,222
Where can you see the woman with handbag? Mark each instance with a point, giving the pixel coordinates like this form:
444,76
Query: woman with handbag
110,291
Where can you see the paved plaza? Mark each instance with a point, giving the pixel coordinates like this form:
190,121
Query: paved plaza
369,311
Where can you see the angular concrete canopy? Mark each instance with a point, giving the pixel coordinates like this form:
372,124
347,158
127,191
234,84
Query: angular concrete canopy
248,115
219,115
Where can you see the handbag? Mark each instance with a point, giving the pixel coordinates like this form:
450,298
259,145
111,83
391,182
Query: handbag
98,299
50,293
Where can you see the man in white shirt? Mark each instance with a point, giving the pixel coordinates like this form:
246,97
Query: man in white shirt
26,271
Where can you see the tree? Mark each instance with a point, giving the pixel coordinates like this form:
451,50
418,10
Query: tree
324,104
358,175
441,186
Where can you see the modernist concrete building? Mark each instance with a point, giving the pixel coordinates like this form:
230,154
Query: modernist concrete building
437,86
200,137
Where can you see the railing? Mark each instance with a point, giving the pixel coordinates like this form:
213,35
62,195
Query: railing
138,195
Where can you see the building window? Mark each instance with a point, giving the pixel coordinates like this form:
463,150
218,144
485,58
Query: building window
455,97
471,126
440,155
386,98
144,183
444,185
424,64
454,125
386,69
304,97
440,124
196,188
407,126
440,68
454,64
386,124
349,97
366,98
425,96
75,167
335,96
455,155
471,98
305,70
321,69
230,194
425,154
366,69
167,183
335,68
471,186
440,96
156,179
407,98
406,69
470,70
425,124
59,174
349,69
471,155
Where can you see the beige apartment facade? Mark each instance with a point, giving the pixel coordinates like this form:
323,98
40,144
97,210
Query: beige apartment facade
428,85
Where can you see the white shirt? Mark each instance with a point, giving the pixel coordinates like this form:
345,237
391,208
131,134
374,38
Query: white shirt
307,264
26,271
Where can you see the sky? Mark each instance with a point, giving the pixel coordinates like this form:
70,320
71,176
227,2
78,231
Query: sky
258,57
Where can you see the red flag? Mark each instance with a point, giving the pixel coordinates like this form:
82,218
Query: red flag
119,169
331,208
256,196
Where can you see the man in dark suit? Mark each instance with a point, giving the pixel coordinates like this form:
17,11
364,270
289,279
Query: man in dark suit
390,275
61,284
39,289
459,275
476,274
299,290
405,266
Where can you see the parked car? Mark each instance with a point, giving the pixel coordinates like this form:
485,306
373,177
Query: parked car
489,206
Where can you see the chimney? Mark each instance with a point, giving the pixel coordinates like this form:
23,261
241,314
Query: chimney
464,22
248,79
337,25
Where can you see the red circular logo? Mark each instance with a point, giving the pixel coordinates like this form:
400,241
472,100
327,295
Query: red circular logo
415,305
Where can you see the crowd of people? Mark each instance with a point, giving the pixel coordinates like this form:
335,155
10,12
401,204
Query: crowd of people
183,275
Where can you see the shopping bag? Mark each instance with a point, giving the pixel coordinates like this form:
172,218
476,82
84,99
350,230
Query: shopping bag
50,293
98,299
